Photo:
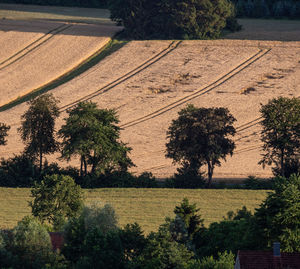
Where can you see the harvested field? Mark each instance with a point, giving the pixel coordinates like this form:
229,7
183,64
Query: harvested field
148,82
58,52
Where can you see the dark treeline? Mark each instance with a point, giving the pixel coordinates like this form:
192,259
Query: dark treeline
268,8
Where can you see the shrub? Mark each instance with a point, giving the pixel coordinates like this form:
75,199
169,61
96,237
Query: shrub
18,171
76,230
253,183
224,260
30,244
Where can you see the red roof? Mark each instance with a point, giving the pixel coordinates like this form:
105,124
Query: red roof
265,260
57,240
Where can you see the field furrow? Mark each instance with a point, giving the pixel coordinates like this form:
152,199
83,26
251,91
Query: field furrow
148,82
59,53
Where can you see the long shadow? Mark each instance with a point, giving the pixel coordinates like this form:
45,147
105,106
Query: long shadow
37,26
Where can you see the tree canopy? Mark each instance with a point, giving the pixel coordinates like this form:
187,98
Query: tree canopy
38,127
3,133
93,135
200,136
278,217
181,19
55,199
281,135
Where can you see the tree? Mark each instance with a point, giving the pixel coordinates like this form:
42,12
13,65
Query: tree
55,199
3,133
279,215
38,127
97,221
182,19
200,136
92,134
281,134
31,243
188,213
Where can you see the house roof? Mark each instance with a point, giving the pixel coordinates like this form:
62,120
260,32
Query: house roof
249,259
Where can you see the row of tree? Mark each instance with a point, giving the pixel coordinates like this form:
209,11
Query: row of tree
198,137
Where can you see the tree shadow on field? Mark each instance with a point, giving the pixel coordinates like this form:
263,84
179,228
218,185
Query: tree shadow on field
44,19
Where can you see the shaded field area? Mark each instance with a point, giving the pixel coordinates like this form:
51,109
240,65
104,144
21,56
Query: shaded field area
66,14
148,207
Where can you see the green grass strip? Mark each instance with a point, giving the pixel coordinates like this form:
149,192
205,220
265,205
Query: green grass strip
94,59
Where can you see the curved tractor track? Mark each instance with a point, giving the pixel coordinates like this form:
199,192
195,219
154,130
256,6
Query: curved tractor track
174,45
32,46
262,52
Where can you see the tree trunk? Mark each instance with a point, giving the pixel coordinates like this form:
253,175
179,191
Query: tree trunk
210,173
41,159
85,166
282,163
81,166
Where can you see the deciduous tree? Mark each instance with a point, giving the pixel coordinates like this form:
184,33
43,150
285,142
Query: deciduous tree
38,127
200,136
55,199
93,135
281,134
183,19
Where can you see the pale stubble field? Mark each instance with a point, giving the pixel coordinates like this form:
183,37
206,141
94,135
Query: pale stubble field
148,82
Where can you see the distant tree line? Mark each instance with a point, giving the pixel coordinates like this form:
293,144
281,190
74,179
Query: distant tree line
267,8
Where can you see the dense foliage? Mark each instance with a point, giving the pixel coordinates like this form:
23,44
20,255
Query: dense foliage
200,136
279,215
268,8
28,245
93,135
55,199
181,19
93,239
281,135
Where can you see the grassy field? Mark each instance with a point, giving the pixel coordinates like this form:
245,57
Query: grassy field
148,207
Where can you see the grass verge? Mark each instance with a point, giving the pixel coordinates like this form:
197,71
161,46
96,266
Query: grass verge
148,207
94,59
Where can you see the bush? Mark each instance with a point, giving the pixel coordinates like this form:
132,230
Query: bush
223,261
119,180
253,183
18,171
77,228
29,243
